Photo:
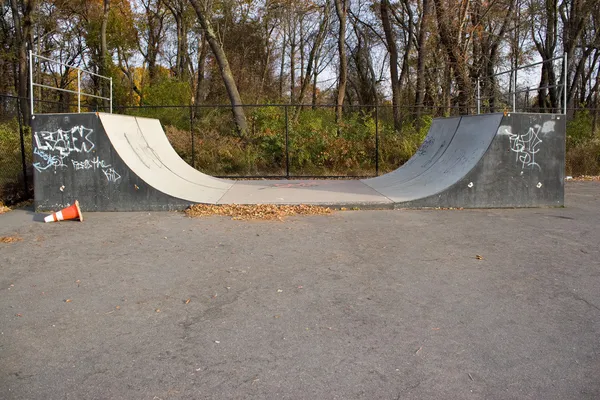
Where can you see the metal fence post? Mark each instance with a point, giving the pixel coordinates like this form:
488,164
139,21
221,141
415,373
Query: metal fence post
192,136
111,95
515,92
78,90
377,140
31,82
20,119
565,72
287,144
478,96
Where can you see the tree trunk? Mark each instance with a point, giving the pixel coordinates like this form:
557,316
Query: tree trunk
23,30
451,39
419,96
282,65
341,8
390,39
202,54
104,84
311,63
232,90
292,61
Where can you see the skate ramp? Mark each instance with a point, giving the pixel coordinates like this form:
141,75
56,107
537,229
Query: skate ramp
120,163
441,132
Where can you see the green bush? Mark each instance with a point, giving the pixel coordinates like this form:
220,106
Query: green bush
317,144
11,167
583,149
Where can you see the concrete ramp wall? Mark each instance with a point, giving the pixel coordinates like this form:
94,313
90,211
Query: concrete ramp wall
522,165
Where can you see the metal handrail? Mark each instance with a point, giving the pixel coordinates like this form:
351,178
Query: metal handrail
514,92
78,92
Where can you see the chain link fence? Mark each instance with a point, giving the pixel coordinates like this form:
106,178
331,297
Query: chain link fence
16,175
281,140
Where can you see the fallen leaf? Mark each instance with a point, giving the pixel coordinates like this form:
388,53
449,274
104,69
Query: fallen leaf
68,300
279,291
217,341
188,301
479,257
3,208
276,316
417,352
19,315
157,310
118,307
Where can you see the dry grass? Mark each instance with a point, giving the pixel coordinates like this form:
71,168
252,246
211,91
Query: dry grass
255,212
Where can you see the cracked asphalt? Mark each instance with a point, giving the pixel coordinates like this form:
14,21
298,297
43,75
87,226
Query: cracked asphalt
356,305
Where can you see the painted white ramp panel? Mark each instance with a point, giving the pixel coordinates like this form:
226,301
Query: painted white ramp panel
127,137
157,140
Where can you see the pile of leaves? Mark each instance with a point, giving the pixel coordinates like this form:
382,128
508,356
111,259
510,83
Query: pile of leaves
586,178
3,208
10,239
255,211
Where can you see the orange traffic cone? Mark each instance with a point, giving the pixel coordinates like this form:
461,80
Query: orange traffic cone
71,212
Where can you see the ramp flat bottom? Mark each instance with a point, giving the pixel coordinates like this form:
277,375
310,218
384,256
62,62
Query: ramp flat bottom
318,192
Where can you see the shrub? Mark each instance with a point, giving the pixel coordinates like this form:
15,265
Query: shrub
583,149
11,167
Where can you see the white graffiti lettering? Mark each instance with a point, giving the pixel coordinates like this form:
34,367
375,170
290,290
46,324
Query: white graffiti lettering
49,161
111,175
526,146
94,164
77,139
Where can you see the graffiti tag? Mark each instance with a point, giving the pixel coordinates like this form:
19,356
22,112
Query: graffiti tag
526,146
76,139
94,163
111,175
49,161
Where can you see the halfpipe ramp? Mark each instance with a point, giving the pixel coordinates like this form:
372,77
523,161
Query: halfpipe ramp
123,163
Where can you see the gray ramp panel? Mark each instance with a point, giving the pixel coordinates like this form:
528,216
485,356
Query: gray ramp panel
128,140
523,167
438,138
470,142
75,160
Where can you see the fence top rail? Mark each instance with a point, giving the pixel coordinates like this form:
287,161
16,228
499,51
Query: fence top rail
69,66
524,67
69,91
382,106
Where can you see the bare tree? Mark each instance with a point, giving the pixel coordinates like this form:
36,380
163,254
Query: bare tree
390,39
22,13
221,58
341,9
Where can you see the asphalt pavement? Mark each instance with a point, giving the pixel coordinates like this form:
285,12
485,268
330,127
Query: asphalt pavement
405,304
